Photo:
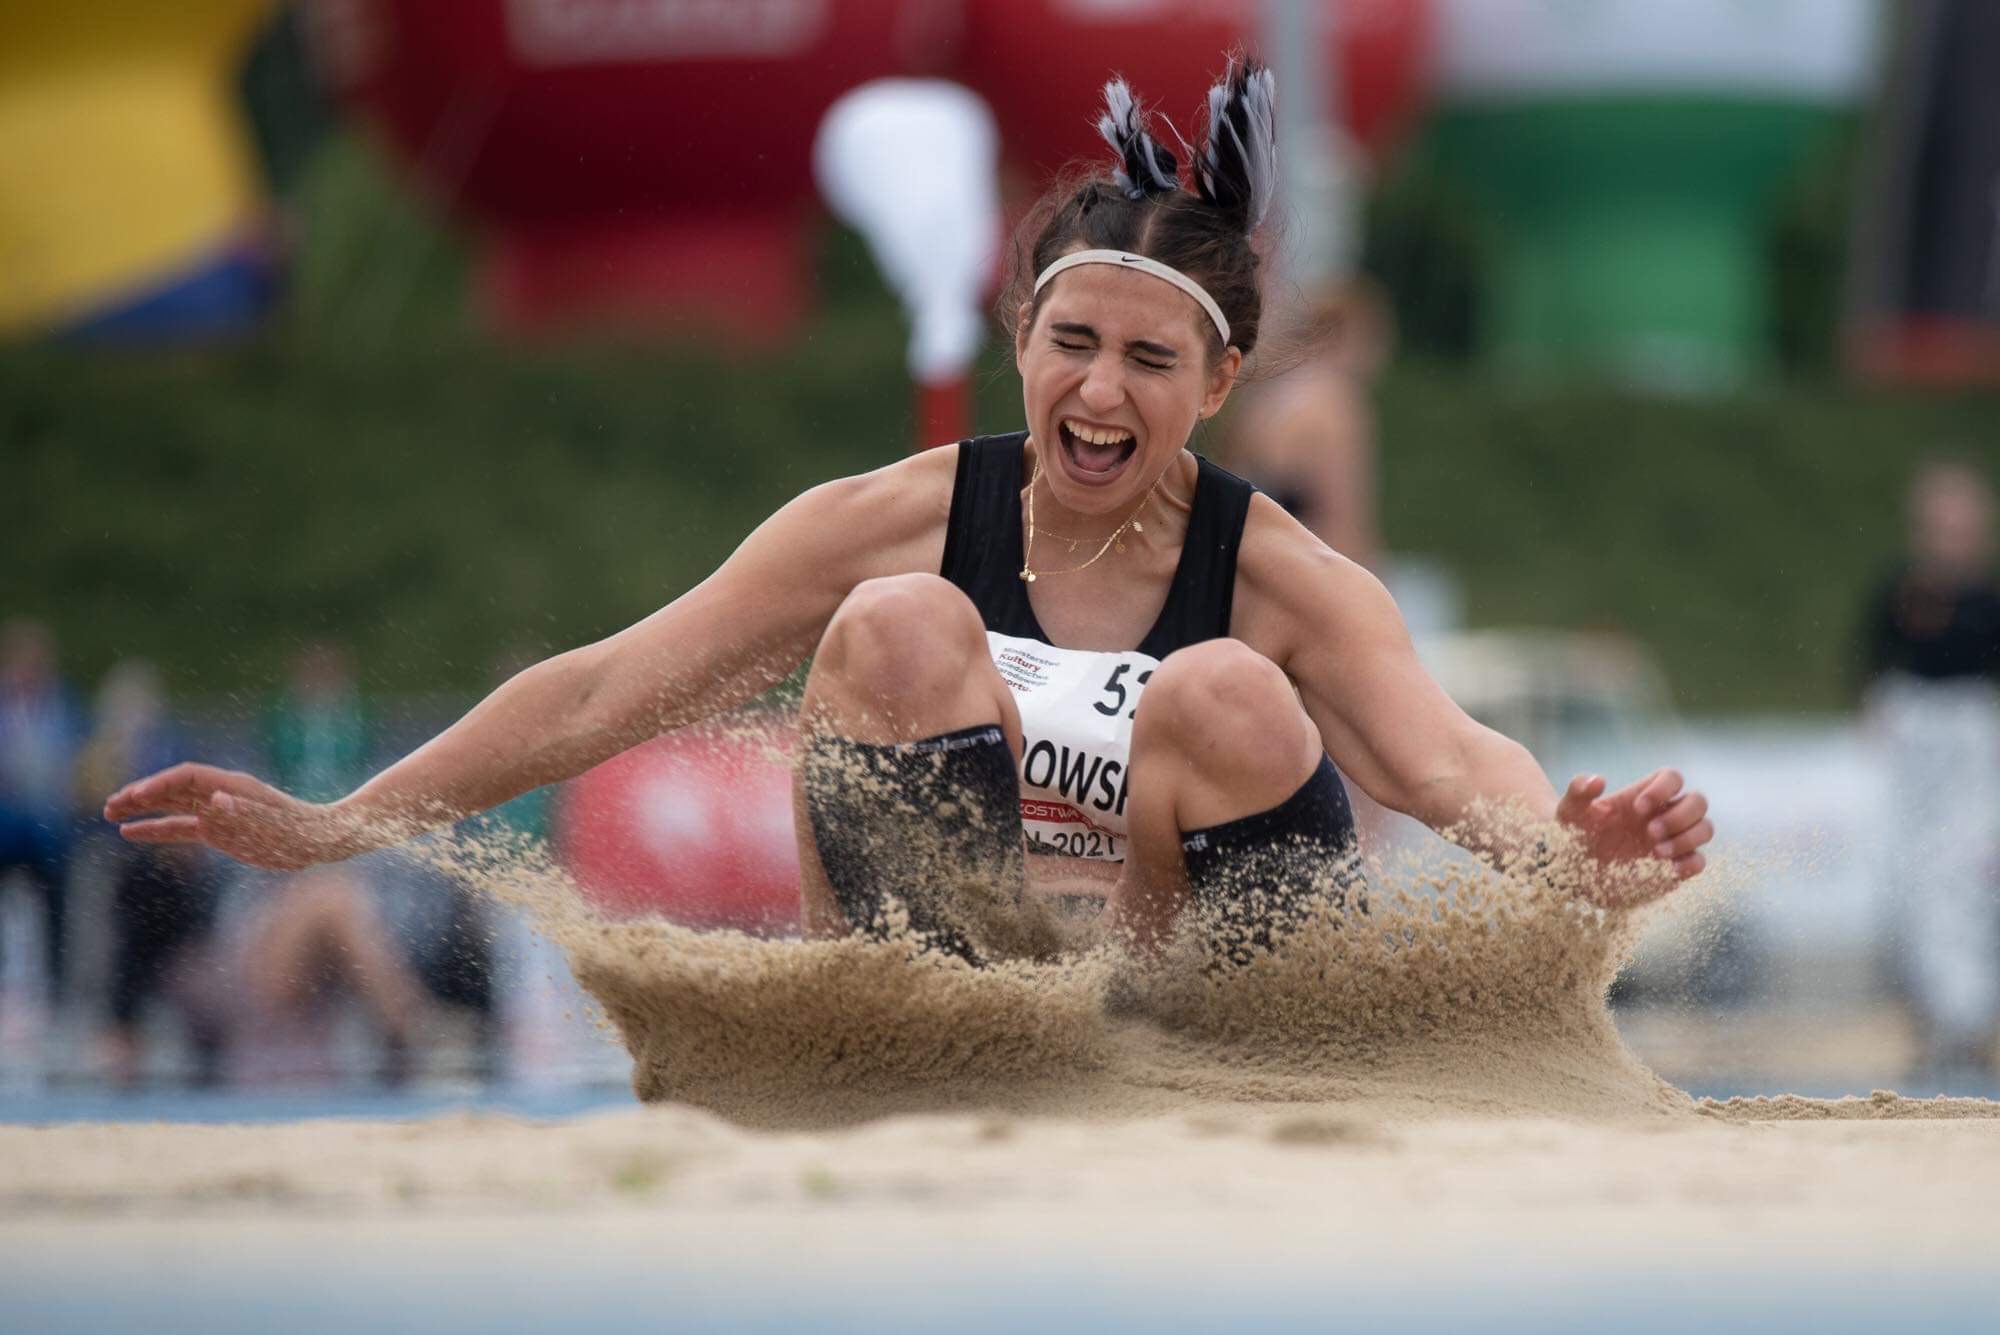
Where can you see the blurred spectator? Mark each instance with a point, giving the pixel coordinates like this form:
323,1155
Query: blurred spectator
1307,438
316,729
40,729
164,896
294,945
297,946
401,938
1931,652
456,958
385,930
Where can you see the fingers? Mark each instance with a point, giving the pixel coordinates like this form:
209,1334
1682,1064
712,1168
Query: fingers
249,831
155,792
163,830
1656,791
1684,844
1678,817
1690,865
1582,791
180,789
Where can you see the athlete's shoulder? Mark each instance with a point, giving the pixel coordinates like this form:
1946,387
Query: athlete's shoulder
925,480
887,521
1290,586
1278,548
912,486
912,496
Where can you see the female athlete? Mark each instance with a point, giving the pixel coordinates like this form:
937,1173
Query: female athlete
1078,648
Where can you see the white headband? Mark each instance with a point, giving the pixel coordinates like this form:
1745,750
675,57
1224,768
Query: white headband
1127,260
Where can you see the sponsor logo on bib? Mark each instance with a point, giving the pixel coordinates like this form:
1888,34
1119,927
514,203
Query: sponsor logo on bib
1077,708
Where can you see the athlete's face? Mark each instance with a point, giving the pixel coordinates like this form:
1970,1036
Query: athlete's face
1114,376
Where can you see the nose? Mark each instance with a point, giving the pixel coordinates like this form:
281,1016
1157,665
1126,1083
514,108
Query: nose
1103,387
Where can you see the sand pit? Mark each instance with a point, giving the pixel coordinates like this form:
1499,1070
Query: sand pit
1433,1087
1258,1168
1281,1217
1452,990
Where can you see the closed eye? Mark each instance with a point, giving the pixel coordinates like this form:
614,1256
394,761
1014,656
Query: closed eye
1153,366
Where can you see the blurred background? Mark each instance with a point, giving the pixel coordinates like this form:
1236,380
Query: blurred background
355,353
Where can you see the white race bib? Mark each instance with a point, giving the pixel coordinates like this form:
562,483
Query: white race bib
1076,708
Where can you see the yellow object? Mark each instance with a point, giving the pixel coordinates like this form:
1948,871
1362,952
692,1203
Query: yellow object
123,159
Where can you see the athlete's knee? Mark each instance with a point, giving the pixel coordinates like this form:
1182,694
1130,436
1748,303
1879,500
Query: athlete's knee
903,636
1221,700
901,630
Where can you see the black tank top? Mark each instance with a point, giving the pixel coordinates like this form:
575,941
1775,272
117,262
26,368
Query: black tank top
982,548
1077,706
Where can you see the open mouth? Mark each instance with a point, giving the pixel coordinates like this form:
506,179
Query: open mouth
1095,453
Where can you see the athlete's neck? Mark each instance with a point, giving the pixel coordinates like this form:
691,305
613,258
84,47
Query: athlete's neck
1159,510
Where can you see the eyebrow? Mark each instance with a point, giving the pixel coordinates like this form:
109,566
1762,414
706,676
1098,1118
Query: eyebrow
1077,330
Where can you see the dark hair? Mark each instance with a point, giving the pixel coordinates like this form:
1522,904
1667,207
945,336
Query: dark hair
1206,232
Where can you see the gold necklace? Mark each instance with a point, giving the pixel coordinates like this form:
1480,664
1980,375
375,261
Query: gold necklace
1029,575
1074,543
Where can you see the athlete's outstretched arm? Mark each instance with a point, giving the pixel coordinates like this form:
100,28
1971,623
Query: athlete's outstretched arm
1393,730
734,635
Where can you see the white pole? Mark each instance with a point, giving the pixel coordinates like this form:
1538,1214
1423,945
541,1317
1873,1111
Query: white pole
1318,163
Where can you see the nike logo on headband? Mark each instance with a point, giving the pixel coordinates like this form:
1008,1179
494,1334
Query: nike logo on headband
1143,264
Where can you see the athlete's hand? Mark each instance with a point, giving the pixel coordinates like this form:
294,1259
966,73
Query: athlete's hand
231,813
1655,820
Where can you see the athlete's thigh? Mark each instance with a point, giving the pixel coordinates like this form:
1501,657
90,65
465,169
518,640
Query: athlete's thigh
905,657
1219,735
1221,732
949,644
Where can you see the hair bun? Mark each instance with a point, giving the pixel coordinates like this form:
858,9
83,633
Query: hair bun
1146,167
1237,170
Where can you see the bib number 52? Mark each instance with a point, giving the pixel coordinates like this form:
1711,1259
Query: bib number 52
1115,688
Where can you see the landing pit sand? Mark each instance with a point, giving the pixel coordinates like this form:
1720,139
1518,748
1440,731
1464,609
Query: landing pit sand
1416,1105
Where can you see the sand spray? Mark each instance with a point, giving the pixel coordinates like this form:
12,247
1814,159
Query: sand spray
1450,987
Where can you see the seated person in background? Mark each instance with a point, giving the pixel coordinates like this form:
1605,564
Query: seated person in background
163,901
296,948
1307,436
40,729
456,958
397,937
